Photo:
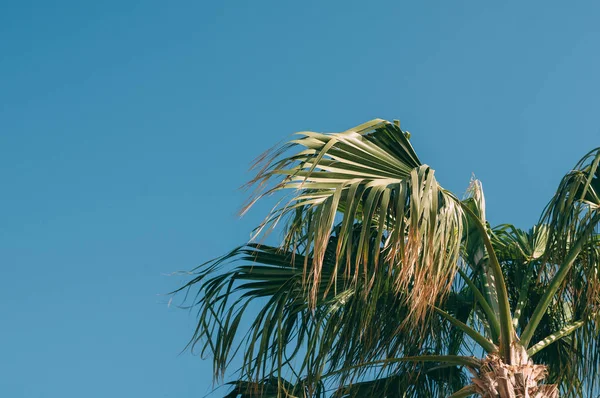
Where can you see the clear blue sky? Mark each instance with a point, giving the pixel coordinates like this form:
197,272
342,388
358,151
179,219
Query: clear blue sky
126,128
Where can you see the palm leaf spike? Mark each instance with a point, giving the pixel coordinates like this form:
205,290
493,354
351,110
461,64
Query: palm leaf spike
494,283
475,199
369,174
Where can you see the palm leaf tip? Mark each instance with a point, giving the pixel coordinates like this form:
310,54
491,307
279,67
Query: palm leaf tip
391,215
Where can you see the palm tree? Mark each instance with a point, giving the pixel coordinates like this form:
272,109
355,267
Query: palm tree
385,284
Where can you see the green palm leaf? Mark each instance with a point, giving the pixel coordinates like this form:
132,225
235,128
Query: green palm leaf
371,175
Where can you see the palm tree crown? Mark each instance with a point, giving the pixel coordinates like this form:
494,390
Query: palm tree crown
385,284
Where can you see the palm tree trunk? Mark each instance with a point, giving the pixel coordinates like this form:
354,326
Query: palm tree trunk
519,379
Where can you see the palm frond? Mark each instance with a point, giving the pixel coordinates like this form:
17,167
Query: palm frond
369,174
573,218
342,331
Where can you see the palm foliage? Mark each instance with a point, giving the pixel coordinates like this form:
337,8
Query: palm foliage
386,284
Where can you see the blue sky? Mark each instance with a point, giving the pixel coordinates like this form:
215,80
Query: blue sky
126,128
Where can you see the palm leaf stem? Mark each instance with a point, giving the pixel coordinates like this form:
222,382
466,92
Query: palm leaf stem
459,360
487,345
570,328
485,306
506,326
523,294
464,392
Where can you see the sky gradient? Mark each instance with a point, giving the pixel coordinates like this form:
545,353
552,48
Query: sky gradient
126,128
